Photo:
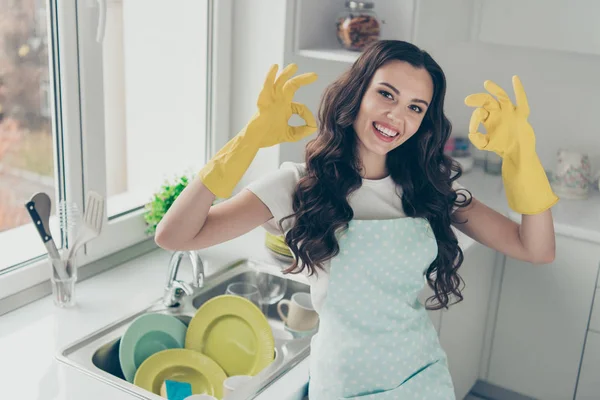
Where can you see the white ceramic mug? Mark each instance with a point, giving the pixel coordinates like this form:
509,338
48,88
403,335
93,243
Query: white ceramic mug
234,382
301,315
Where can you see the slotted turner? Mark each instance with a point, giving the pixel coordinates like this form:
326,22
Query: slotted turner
92,222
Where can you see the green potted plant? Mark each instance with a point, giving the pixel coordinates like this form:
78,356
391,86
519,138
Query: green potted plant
162,201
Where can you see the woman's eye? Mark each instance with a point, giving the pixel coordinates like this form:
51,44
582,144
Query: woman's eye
386,94
416,109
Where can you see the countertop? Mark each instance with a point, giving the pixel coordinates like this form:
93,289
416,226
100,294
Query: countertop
579,219
31,336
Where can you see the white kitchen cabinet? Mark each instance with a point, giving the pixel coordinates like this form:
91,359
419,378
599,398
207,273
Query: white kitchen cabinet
588,387
559,25
542,321
595,318
463,325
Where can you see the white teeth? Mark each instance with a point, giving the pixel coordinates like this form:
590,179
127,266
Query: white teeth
387,132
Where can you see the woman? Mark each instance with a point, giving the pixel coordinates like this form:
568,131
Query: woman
369,215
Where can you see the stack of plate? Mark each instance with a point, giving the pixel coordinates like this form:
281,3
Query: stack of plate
234,332
227,336
276,244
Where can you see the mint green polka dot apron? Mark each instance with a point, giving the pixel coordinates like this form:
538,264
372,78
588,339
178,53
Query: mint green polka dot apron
375,338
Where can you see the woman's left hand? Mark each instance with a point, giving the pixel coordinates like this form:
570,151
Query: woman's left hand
508,131
509,135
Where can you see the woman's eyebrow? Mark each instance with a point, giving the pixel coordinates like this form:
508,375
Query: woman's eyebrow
398,93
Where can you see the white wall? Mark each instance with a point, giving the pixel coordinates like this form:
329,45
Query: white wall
562,87
562,91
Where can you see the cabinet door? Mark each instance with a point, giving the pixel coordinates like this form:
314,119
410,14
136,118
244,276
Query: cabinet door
559,25
462,328
589,379
542,321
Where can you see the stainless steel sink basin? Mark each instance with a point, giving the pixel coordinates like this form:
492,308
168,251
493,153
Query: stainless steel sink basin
98,354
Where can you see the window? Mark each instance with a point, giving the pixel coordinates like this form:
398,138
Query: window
110,96
151,86
154,93
27,136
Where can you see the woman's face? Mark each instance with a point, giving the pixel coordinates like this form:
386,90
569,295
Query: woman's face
392,108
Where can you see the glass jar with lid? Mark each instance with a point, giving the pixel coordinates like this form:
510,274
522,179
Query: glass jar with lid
358,25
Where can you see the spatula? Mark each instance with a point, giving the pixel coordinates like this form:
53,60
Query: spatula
39,208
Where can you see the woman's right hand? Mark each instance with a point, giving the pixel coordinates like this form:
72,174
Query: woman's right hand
269,126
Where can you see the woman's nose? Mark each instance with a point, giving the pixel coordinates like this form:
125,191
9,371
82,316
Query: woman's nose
396,118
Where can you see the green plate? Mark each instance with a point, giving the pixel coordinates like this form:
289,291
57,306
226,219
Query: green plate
181,365
234,332
149,334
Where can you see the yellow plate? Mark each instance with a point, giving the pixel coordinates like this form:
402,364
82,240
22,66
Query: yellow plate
279,253
234,332
181,365
277,245
279,240
280,250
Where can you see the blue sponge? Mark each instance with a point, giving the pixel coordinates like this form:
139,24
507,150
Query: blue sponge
177,390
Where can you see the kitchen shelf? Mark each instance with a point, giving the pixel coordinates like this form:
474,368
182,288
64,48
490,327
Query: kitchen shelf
315,30
341,55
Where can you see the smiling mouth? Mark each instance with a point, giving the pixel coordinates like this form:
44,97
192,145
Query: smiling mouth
384,133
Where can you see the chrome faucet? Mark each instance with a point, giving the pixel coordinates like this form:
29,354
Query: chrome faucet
175,289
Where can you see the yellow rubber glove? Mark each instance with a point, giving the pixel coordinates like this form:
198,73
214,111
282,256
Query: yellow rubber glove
510,136
268,127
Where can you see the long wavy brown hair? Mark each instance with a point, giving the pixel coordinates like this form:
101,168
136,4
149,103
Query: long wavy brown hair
418,166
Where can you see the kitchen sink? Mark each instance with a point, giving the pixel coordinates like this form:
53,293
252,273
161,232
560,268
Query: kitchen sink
97,354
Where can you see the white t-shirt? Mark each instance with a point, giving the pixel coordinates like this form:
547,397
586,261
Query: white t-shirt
375,199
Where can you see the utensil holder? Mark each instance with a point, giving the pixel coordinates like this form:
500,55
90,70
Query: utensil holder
63,283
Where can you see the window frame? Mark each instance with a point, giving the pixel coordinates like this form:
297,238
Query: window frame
79,153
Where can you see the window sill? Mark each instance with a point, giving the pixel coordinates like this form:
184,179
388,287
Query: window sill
31,283
22,244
